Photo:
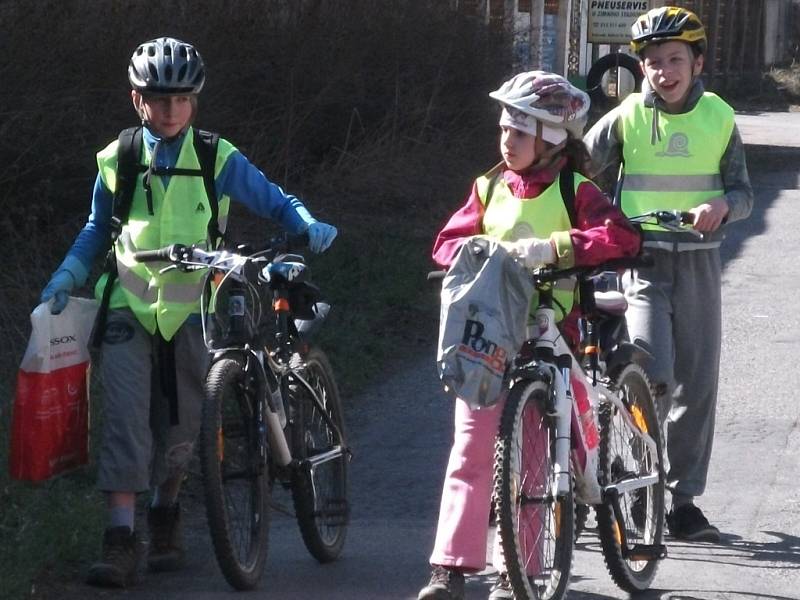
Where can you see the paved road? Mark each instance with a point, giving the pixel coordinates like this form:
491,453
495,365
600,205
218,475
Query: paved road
401,433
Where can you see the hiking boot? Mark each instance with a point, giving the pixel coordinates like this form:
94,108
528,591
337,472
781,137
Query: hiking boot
687,522
119,564
445,584
501,590
166,552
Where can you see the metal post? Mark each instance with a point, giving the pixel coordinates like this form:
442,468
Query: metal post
712,43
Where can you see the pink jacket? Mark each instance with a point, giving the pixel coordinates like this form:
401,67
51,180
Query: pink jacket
602,233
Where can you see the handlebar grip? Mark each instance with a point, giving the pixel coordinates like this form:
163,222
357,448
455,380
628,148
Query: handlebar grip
284,243
296,241
436,275
686,217
166,254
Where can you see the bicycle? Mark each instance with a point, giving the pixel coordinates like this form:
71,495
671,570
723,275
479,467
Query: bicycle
272,410
534,479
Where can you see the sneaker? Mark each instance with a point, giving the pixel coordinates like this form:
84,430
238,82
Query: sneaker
501,590
119,564
166,552
687,522
445,584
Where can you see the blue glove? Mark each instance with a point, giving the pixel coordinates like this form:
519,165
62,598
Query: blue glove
70,274
320,236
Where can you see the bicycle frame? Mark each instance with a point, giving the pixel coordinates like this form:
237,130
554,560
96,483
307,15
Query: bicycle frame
272,365
553,362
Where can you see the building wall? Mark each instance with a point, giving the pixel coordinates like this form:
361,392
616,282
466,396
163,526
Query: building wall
744,36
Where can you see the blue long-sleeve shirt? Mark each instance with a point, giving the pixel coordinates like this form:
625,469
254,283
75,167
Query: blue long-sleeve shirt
239,179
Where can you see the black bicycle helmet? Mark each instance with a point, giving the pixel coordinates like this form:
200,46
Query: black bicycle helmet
166,66
668,23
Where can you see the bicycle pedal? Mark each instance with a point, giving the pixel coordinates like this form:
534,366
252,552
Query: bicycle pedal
647,552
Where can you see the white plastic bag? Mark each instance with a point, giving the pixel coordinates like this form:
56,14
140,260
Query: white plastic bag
50,427
485,297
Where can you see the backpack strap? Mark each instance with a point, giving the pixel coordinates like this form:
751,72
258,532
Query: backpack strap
129,150
205,146
566,182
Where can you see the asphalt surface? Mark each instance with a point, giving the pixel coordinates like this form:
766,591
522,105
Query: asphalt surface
402,428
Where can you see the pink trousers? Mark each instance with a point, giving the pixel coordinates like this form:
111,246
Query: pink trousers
463,528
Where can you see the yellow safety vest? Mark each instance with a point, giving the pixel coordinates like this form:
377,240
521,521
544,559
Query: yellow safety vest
181,214
510,219
682,170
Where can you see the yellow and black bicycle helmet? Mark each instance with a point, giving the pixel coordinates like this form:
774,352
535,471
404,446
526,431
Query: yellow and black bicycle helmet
668,23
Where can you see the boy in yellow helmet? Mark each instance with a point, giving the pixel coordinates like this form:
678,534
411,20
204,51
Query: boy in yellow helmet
681,150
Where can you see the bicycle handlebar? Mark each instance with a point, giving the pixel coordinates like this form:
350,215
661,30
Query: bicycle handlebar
177,253
548,274
171,253
671,220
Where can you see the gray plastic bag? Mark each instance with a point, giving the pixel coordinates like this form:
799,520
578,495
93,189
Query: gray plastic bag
486,297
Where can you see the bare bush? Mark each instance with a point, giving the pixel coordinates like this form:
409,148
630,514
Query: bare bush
375,112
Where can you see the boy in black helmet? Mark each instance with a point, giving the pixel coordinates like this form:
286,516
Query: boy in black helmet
152,316
681,150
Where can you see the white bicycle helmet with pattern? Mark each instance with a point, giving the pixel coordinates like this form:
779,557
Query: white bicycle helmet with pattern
166,66
543,103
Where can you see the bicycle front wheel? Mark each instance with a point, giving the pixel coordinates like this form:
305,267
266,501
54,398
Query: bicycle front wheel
235,475
631,531
536,526
319,484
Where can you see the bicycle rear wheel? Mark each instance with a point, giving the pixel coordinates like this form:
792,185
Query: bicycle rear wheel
319,484
536,527
235,475
631,534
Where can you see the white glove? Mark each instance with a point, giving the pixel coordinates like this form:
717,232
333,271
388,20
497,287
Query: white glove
534,252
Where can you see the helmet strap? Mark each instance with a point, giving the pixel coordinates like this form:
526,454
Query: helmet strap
545,153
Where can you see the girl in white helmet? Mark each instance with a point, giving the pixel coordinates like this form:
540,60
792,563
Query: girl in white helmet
518,201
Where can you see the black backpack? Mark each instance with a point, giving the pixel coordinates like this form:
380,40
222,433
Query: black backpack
129,151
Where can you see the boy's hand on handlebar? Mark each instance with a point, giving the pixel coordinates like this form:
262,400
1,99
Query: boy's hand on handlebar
534,252
320,236
710,215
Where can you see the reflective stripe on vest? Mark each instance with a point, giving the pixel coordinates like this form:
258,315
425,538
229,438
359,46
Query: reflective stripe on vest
508,218
682,170
180,216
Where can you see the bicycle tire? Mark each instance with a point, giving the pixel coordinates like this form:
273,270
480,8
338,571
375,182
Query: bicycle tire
235,479
537,542
320,497
622,456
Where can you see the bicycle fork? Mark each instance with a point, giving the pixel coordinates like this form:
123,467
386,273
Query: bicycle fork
562,415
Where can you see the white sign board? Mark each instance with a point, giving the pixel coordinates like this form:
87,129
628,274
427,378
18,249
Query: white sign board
610,20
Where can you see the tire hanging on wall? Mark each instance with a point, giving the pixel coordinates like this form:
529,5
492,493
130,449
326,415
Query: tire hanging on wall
594,79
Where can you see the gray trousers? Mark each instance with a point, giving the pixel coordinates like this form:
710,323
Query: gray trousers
674,312
140,448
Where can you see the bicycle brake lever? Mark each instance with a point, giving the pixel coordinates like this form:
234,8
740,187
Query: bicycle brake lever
167,268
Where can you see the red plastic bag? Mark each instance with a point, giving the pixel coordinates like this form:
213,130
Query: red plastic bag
50,427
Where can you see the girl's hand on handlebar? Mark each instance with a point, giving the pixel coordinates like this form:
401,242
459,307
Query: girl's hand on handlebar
534,252
710,215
